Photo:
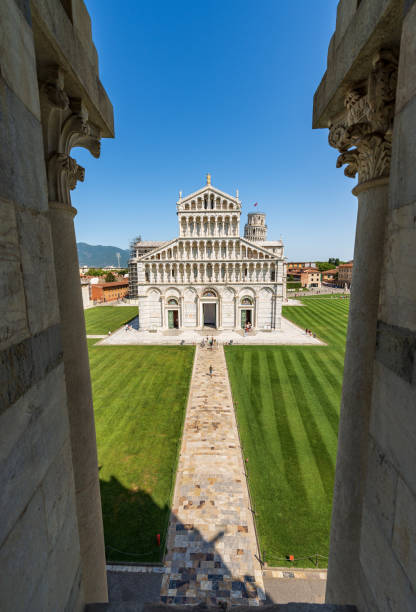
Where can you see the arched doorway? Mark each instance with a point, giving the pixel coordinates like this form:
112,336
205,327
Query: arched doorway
209,306
173,313
246,312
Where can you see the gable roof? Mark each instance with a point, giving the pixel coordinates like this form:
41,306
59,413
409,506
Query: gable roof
211,189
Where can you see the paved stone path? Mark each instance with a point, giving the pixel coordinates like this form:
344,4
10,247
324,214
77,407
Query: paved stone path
212,550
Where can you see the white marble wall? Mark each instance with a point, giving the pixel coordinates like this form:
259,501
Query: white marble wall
266,305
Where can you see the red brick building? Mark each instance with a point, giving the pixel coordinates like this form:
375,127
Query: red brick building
109,292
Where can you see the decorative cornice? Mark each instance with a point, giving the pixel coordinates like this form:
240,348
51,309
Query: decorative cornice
363,133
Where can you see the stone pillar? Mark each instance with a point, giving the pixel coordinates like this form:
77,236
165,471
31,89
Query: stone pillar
163,317
80,408
181,311
66,124
198,318
256,312
366,126
274,311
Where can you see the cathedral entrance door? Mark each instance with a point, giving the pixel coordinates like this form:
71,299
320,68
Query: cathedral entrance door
245,318
209,312
173,319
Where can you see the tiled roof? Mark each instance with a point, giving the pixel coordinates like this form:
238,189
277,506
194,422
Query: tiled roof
113,284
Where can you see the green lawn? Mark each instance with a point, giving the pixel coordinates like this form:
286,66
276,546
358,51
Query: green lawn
288,409
102,319
140,396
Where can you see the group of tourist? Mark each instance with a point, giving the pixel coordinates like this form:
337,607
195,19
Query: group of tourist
247,327
308,332
210,342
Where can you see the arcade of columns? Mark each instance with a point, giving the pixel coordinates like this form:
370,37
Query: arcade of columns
202,270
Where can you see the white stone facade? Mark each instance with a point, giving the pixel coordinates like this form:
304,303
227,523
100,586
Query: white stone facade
209,277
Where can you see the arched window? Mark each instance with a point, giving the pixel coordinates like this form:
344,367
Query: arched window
172,302
209,293
246,301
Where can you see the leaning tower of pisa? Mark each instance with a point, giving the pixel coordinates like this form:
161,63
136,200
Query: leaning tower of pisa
256,229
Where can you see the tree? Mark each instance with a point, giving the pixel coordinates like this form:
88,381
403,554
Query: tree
324,265
109,277
95,272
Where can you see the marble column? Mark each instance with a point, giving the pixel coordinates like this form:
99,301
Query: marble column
80,407
363,137
66,124
163,317
181,312
219,307
197,313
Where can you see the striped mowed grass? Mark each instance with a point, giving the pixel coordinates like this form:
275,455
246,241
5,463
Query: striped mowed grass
102,319
140,395
287,403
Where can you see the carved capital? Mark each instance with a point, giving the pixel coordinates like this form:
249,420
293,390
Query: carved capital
66,124
363,133
63,175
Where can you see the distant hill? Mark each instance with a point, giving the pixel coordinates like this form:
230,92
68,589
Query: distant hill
98,256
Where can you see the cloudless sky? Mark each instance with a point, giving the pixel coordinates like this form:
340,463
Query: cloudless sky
219,86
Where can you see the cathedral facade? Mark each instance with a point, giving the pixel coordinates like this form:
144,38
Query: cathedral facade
209,276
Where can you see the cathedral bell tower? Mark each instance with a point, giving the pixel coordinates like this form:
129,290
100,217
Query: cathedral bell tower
256,229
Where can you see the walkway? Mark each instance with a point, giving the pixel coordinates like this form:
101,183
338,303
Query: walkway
211,541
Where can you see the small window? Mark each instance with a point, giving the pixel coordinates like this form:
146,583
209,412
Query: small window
172,302
209,294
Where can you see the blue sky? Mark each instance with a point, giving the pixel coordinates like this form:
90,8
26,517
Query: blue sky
220,86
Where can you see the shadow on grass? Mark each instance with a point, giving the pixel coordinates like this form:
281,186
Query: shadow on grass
195,571
132,521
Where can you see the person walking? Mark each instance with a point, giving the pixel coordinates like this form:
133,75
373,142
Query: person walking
210,370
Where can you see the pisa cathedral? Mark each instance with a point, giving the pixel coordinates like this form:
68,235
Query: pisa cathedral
210,277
